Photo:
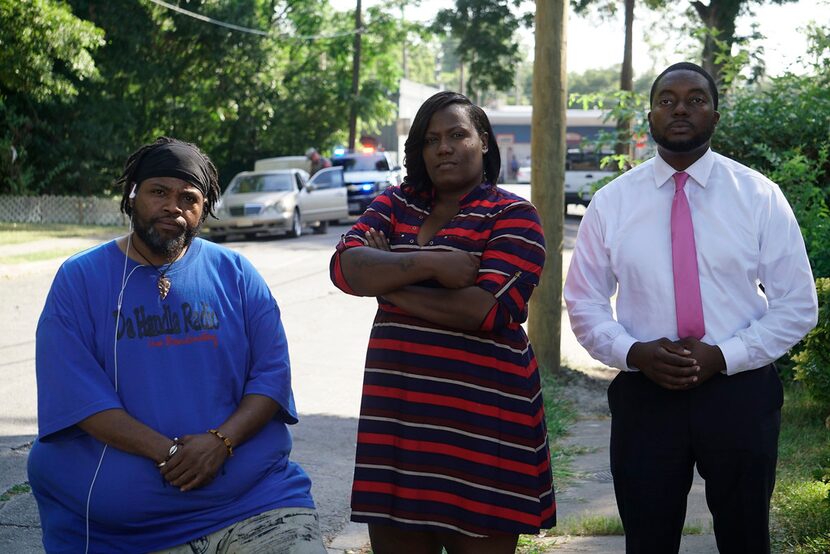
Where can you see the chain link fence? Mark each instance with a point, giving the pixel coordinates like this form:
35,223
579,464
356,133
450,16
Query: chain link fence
74,210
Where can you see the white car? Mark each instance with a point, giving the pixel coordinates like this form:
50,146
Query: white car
277,202
582,171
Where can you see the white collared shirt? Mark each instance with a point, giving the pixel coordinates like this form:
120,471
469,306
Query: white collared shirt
745,234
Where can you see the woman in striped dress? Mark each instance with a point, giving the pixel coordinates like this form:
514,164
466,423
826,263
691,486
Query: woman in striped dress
452,446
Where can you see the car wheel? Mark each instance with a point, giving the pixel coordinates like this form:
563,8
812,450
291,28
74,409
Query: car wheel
296,225
321,228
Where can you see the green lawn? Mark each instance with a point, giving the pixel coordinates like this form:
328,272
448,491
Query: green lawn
18,233
800,504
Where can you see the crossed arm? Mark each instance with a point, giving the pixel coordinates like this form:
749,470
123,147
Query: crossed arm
377,271
199,457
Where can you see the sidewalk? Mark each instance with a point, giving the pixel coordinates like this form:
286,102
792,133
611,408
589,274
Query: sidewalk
592,493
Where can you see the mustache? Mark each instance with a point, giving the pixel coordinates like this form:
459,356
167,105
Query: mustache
169,221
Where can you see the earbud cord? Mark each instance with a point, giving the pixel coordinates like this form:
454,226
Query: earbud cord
124,279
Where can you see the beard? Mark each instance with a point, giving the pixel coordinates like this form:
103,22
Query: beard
686,145
169,248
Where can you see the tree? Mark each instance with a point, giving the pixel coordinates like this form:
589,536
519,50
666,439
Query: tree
718,18
240,96
46,55
622,146
548,148
487,47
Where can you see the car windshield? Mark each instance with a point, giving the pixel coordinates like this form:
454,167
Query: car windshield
362,162
264,183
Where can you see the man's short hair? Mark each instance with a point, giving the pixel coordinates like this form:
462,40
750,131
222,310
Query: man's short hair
686,66
309,152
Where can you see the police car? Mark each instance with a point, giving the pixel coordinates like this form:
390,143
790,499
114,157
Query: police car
366,174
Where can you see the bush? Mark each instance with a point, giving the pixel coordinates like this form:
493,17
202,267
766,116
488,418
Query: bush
812,363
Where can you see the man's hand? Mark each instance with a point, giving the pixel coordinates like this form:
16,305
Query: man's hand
196,462
709,358
671,365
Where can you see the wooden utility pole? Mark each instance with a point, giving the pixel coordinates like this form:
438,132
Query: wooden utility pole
355,78
548,152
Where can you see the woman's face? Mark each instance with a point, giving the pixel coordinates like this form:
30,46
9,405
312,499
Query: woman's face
453,150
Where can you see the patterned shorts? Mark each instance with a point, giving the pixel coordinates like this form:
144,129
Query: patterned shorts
280,531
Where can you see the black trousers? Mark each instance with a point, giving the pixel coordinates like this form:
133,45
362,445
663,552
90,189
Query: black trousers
728,426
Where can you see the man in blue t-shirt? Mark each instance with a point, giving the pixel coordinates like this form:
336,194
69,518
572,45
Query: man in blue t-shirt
164,386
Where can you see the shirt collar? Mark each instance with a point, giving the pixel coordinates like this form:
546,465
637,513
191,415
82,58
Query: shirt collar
698,171
479,192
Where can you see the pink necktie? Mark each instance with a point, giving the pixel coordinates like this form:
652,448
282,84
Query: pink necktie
687,301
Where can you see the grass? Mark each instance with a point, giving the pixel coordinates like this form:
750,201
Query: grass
602,526
37,256
559,416
22,488
800,503
18,233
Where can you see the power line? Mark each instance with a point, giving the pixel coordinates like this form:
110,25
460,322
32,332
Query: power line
248,30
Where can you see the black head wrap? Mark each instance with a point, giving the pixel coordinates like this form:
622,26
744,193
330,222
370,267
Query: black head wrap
175,159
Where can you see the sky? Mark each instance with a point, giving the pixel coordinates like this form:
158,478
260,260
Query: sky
596,44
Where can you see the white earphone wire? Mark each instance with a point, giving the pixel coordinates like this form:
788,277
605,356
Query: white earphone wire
124,280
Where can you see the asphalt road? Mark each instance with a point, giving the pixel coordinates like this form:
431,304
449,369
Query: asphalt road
327,333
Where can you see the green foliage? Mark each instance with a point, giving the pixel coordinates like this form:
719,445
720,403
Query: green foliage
485,31
239,96
782,129
813,361
621,105
45,50
45,57
800,508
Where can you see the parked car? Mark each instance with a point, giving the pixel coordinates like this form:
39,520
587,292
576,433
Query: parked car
279,202
582,172
366,173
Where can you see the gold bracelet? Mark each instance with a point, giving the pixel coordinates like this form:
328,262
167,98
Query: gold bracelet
224,439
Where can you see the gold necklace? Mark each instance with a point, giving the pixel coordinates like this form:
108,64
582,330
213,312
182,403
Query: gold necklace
163,283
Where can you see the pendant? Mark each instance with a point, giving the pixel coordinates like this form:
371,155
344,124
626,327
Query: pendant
163,285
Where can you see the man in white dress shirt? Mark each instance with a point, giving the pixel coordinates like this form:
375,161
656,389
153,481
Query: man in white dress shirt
695,334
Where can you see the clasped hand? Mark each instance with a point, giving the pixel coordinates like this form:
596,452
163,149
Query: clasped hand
677,365
453,269
196,462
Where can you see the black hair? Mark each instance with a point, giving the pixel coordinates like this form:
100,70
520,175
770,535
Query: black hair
127,178
686,66
417,179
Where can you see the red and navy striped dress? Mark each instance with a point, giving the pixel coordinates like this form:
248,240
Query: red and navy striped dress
452,433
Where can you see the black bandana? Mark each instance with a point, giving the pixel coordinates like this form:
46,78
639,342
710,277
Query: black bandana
175,159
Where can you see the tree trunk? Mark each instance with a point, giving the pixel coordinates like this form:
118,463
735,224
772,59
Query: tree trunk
719,19
355,78
626,80
548,152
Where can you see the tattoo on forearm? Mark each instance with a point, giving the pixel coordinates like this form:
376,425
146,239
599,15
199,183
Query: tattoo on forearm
405,263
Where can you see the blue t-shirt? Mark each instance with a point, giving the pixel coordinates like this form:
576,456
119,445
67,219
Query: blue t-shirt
181,366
